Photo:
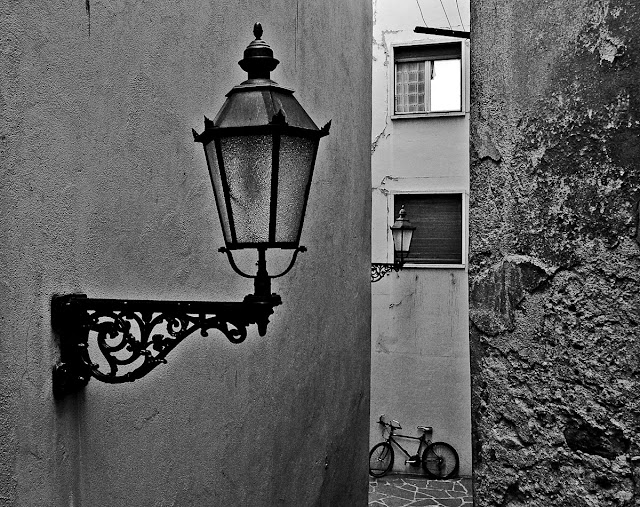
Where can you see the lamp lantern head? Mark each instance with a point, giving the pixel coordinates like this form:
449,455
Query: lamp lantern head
261,150
402,232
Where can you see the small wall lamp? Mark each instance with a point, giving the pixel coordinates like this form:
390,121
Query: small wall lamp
260,150
402,232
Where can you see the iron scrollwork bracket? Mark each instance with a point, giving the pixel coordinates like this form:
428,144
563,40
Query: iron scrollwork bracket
117,341
380,270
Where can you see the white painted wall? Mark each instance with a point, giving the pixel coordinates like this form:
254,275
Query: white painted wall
420,326
105,192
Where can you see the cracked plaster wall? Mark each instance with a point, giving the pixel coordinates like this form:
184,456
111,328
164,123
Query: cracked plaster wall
554,256
105,192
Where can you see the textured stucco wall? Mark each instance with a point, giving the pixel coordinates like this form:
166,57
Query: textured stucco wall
419,334
105,192
554,297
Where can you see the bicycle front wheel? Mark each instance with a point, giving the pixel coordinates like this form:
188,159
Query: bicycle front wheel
380,459
440,461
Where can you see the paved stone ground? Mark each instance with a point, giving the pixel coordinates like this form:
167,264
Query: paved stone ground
414,491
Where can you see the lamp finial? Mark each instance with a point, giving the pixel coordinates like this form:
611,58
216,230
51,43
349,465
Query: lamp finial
257,30
258,59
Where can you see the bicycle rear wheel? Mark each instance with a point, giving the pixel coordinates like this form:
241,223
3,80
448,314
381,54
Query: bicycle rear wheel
440,461
380,459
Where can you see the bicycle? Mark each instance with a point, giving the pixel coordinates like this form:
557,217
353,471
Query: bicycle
439,459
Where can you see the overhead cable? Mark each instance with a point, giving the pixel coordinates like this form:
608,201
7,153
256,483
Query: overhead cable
445,15
461,22
421,15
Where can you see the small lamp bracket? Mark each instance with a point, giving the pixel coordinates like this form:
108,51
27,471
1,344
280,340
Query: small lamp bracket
380,270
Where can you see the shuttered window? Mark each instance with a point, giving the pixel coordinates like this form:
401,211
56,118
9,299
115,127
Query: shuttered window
438,221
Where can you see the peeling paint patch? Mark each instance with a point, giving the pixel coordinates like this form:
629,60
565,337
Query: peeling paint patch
535,155
502,289
383,44
380,136
609,47
388,178
484,145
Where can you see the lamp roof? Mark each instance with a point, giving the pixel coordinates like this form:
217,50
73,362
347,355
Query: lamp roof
259,101
402,222
259,104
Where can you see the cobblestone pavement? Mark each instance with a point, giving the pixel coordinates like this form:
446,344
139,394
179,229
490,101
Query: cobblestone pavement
413,491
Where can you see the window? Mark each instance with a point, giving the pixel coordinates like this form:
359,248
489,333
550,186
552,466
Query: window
428,79
438,238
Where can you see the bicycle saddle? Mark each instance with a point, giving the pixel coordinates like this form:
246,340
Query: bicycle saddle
426,429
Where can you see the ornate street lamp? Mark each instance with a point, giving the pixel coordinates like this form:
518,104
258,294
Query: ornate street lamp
260,150
402,232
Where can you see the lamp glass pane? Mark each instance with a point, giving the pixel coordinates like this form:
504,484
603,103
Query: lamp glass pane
296,166
247,163
402,240
216,181
397,239
406,240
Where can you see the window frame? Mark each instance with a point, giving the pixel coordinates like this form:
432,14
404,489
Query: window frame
465,218
428,114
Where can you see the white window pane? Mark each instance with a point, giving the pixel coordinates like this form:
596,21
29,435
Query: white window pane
445,85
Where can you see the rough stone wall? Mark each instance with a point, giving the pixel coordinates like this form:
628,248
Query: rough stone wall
554,255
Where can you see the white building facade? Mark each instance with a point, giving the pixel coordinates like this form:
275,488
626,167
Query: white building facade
420,160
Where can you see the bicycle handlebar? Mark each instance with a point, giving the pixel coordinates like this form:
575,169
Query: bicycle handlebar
398,427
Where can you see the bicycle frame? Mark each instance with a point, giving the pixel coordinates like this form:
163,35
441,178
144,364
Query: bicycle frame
422,438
